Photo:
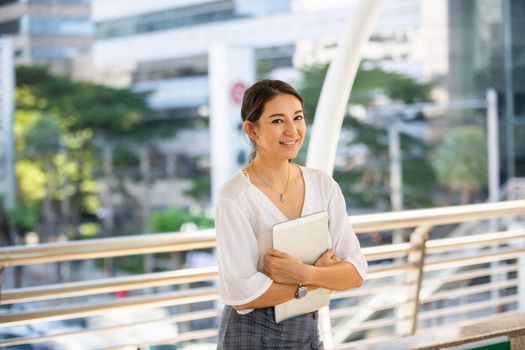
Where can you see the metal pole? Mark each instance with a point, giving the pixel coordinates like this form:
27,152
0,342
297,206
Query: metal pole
509,90
7,111
521,280
494,181
8,183
493,146
396,175
107,152
408,313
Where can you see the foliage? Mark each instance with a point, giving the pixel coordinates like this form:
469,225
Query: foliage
24,216
89,229
461,161
200,190
42,140
31,181
172,220
57,125
78,105
368,184
368,83
395,85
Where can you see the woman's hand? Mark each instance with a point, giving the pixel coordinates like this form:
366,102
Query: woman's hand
327,259
285,268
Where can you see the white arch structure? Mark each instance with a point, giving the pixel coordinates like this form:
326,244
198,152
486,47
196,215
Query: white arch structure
338,85
332,105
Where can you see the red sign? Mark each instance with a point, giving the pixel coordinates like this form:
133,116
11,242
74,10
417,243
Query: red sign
237,92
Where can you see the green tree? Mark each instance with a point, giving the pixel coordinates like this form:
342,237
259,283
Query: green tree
86,114
200,189
461,161
172,220
368,185
24,216
368,83
42,144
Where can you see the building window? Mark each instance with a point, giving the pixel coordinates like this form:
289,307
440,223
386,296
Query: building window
169,69
167,19
60,26
7,2
55,52
11,27
61,2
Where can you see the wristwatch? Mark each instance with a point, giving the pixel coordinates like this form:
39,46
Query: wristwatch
301,291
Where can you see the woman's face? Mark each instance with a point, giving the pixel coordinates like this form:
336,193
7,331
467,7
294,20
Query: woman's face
280,131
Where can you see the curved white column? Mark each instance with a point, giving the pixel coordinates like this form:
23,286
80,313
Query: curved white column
332,104
337,86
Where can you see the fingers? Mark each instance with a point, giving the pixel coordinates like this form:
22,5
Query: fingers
331,255
277,253
327,259
270,263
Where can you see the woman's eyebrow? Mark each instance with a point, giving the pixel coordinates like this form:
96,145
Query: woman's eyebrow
275,115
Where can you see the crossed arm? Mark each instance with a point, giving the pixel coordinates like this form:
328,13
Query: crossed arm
287,272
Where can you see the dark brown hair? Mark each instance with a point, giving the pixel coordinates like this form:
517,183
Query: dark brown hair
256,97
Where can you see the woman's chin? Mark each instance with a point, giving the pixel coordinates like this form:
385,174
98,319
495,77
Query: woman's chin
291,155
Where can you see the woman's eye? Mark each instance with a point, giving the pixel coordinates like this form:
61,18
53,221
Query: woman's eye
299,117
277,121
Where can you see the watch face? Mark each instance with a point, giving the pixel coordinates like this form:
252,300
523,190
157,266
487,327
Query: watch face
301,292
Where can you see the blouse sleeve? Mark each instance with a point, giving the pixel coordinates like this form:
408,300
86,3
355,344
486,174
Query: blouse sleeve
344,241
238,256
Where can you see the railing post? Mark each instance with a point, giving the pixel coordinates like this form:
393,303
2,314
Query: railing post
521,280
408,313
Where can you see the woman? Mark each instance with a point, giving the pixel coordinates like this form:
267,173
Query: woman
271,189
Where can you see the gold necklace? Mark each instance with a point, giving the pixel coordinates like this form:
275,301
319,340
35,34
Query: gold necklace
281,194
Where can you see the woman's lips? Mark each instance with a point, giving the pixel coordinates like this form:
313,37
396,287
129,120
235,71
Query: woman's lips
289,144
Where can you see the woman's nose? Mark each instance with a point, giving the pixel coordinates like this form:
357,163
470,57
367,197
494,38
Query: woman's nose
290,128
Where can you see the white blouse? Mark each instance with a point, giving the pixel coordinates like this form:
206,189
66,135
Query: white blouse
244,220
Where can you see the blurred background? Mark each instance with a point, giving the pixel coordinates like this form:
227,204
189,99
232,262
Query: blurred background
108,111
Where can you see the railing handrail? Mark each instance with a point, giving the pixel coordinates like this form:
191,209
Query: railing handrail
83,310
176,241
407,264
434,216
108,285
201,274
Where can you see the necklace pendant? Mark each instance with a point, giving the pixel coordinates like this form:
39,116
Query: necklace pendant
282,198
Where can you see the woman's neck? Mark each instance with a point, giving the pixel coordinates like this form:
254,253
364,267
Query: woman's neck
271,170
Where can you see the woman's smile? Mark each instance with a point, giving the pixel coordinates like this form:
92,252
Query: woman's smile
289,144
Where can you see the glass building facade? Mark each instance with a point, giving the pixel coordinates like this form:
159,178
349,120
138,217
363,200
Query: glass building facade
48,32
168,19
487,50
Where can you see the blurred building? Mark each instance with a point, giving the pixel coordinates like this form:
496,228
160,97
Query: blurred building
487,50
48,32
163,46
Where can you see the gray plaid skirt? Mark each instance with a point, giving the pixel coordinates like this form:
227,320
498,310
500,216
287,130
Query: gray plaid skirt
258,330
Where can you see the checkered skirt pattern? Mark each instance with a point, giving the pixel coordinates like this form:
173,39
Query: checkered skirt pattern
258,330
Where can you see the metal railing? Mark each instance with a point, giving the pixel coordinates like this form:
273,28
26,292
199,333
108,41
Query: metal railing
407,288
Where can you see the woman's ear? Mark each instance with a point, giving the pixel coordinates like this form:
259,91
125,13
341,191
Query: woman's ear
249,129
